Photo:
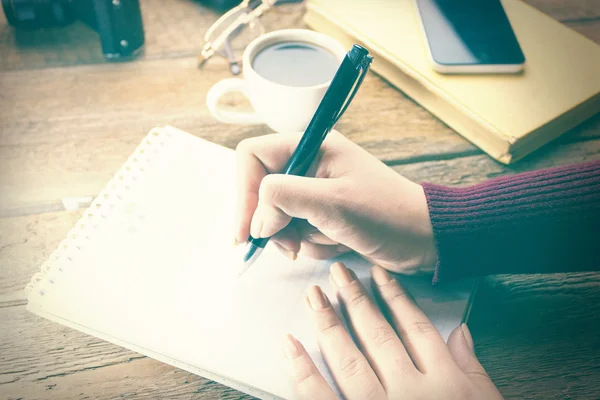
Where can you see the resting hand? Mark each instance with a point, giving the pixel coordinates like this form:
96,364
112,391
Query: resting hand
405,358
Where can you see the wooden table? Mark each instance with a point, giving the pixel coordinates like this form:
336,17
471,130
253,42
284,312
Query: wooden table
68,121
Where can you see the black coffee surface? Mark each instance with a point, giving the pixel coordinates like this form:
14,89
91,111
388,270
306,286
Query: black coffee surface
296,64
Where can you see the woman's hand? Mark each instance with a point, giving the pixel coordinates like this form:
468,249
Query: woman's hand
402,359
348,201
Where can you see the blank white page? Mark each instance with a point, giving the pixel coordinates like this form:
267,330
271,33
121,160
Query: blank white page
151,266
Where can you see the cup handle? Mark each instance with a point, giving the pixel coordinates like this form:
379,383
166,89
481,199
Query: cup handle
230,117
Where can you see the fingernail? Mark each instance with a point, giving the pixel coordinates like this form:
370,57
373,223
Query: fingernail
256,224
255,229
236,242
380,275
291,254
341,275
468,336
332,282
353,275
291,347
317,299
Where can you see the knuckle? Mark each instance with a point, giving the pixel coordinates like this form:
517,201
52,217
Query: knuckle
371,391
301,378
477,373
351,365
358,299
423,328
382,335
328,324
355,297
393,293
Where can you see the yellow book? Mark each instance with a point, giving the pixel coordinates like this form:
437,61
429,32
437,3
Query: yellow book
507,116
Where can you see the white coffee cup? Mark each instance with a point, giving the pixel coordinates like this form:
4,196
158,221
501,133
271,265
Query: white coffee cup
283,108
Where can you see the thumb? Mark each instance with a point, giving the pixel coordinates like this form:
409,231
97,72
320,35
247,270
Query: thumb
460,344
283,197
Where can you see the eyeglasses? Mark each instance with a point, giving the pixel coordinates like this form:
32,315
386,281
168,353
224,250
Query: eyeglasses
230,34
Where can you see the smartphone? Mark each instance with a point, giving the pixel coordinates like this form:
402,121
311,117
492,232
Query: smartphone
469,36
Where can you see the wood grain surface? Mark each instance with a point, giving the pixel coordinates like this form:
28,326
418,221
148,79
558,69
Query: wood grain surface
68,120
54,145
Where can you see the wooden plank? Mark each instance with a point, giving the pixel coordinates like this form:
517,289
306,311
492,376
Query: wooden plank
588,28
536,336
54,145
176,30
35,110
25,243
565,10
41,359
474,169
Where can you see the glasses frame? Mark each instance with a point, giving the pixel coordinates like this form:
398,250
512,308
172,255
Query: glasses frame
256,9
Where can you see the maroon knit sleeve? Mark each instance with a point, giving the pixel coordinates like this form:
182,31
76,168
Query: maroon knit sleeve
534,222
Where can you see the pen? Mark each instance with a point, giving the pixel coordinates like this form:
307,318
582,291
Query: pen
336,100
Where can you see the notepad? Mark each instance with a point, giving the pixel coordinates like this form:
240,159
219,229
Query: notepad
151,267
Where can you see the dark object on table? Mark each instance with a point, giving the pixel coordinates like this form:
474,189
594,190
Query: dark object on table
118,22
220,5
225,5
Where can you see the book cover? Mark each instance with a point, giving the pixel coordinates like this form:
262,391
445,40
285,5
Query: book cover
507,116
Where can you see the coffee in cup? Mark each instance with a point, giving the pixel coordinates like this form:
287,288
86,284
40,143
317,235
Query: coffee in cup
298,64
286,75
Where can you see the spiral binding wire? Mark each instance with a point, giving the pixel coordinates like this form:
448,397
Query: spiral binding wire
100,209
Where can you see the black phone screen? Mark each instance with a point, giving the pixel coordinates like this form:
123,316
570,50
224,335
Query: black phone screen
468,32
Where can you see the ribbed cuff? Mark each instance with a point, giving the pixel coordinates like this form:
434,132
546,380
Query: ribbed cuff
516,224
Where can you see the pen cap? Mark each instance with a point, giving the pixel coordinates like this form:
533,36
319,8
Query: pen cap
357,54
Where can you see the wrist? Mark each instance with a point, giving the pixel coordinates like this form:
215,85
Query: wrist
430,255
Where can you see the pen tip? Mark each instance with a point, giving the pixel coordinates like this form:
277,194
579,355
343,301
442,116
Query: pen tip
250,252
249,258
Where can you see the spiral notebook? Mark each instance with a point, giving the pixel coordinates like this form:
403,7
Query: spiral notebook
151,267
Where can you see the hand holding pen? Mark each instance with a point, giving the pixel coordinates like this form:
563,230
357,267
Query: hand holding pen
336,100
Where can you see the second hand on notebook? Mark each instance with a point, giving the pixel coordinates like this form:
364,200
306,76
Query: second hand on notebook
342,89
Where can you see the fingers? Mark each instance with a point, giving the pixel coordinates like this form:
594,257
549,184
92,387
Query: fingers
268,154
319,238
308,382
256,158
268,220
287,241
321,252
351,370
460,345
283,197
376,337
421,339
299,238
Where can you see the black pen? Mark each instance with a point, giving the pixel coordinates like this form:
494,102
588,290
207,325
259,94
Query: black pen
336,100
